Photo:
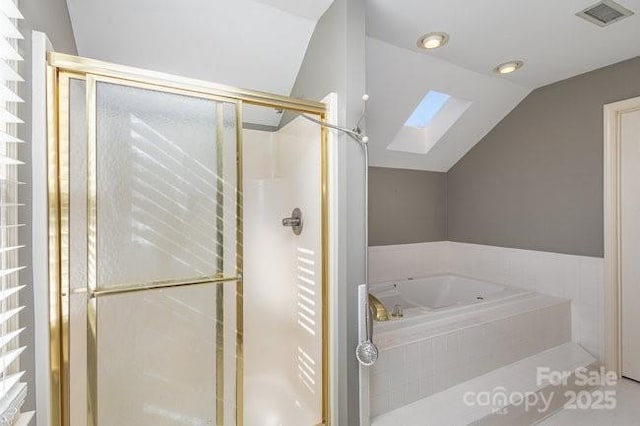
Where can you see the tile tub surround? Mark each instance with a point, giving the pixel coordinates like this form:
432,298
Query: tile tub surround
393,262
437,355
578,278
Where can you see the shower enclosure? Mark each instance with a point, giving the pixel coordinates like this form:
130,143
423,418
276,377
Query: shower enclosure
177,295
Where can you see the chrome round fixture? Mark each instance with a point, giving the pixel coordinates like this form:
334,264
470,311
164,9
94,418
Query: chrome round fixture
433,40
508,67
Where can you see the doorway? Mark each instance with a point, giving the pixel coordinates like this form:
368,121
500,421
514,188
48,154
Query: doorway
622,237
156,287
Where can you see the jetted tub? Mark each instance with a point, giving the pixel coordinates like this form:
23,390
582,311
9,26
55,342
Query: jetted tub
418,298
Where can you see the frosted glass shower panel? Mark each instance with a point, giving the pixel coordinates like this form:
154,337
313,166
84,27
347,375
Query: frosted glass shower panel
156,357
166,186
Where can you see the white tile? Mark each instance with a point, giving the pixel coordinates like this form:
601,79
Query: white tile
379,383
426,385
412,356
397,357
384,362
477,349
522,269
627,411
426,353
439,350
379,404
412,390
388,263
591,288
398,397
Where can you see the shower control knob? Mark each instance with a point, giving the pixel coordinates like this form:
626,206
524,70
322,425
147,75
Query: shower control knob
295,221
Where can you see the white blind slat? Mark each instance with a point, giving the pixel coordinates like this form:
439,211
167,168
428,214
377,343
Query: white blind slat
11,181
7,383
25,418
7,117
8,271
8,358
4,160
7,73
11,402
8,292
10,248
10,9
9,314
8,95
6,137
8,52
7,338
7,29
12,391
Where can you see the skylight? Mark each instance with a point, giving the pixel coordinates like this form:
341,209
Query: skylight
427,109
429,123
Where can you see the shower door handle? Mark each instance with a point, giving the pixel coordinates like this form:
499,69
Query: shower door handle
295,221
291,221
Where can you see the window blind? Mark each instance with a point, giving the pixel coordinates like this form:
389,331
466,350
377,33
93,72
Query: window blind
12,390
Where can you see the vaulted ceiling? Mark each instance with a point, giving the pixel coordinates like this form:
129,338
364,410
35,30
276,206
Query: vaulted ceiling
260,44
553,42
255,44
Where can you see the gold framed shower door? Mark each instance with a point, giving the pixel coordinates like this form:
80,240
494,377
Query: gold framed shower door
61,69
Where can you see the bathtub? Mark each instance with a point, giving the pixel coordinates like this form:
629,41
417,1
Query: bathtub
437,296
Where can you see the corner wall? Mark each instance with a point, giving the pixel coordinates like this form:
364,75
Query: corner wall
406,206
335,62
536,180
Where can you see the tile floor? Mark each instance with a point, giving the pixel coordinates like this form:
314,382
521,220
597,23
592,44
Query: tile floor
626,413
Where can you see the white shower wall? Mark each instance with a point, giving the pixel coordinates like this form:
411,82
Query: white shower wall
282,276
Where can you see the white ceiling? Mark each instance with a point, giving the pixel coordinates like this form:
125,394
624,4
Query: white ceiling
397,79
554,43
260,44
245,43
546,34
312,9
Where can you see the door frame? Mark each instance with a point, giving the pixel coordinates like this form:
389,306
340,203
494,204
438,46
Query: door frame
61,66
612,209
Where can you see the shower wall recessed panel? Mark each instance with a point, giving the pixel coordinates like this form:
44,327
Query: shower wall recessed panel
162,185
283,276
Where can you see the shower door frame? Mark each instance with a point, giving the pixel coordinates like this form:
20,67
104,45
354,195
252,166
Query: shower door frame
61,68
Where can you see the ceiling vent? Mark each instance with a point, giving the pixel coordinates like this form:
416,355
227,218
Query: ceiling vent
605,13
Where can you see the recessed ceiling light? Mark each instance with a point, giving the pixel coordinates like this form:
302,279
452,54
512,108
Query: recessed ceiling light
509,67
433,40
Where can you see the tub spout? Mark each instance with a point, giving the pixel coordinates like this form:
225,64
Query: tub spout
378,310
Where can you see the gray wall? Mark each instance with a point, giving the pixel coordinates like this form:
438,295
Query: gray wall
406,206
536,180
335,62
51,17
